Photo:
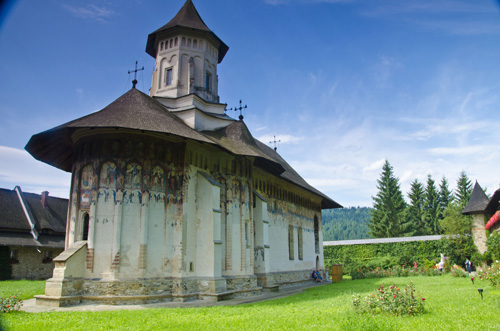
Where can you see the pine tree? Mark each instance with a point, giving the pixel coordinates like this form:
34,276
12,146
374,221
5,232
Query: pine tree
415,209
445,197
464,190
431,207
388,216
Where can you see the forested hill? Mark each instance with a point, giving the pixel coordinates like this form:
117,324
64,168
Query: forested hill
345,223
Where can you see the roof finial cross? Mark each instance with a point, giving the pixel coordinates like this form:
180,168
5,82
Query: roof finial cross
275,143
134,82
240,108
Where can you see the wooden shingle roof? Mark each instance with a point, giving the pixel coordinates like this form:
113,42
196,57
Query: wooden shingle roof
133,110
477,202
49,220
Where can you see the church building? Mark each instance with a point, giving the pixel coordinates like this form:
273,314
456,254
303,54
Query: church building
173,200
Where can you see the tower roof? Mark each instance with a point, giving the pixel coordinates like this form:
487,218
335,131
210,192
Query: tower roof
187,18
477,202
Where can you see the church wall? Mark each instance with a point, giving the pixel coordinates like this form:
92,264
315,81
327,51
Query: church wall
133,221
290,210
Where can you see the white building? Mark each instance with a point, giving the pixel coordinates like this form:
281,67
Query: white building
171,199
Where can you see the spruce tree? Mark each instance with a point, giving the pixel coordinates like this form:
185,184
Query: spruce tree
388,216
445,197
431,207
464,190
415,212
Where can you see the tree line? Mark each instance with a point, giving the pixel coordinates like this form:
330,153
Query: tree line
432,209
345,223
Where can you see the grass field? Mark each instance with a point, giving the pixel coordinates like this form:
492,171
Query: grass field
451,304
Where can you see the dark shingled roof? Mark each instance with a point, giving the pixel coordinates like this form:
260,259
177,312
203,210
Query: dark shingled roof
292,176
14,225
53,217
237,139
492,206
133,110
11,212
187,17
27,240
477,202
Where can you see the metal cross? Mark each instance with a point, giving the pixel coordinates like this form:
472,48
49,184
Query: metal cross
134,82
240,108
275,143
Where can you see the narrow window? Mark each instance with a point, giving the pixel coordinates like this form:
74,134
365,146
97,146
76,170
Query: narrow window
85,234
246,235
183,41
168,76
316,234
299,240
208,81
176,41
189,42
171,43
47,257
161,47
290,242
14,256
195,43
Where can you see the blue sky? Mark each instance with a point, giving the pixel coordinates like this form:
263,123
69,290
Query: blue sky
343,84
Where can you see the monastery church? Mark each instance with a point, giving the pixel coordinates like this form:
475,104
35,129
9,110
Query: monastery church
173,200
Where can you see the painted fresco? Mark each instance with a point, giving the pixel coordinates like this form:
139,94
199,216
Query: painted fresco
86,187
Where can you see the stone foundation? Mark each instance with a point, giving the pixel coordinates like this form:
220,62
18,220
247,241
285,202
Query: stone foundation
283,279
61,293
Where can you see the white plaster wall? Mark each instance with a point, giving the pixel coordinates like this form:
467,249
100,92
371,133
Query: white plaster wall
130,233
103,231
158,245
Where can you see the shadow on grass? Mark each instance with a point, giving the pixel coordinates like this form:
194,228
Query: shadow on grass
328,291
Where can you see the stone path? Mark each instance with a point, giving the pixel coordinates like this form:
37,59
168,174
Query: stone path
29,306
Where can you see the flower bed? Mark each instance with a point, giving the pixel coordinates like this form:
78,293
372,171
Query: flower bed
491,274
391,301
9,304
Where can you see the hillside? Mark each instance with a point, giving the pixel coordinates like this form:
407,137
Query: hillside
346,223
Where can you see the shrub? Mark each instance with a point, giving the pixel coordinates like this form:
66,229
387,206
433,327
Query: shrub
459,272
10,304
493,244
391,301
491,274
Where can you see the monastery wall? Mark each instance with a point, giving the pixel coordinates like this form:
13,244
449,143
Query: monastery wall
31,263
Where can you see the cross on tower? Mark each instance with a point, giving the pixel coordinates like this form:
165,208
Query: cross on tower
275,143
240,108
134,82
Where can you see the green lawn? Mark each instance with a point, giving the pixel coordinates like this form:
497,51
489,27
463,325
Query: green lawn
451,304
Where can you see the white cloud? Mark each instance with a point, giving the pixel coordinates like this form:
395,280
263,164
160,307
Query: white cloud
18,168
89,11
377,165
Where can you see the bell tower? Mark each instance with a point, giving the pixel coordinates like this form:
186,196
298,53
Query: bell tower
187,53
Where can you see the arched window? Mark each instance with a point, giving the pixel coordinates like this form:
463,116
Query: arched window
316,234
183,41
290,242
171,43
195,43
189,42
176,42
85,232
161,46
